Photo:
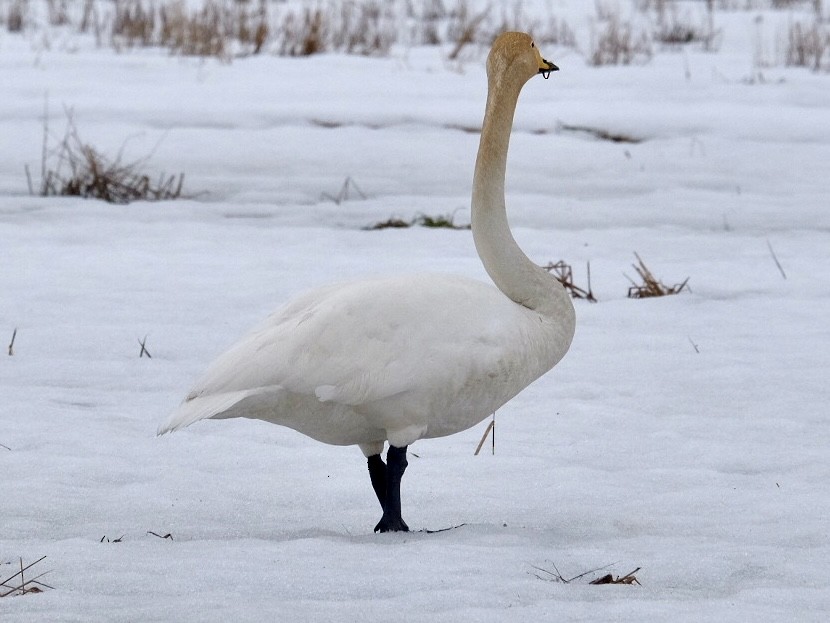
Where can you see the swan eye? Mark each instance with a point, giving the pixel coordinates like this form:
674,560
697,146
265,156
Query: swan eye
532,44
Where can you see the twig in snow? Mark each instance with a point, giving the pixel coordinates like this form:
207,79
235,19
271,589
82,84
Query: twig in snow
564,274
166,536
437,530
144,350
490,427
23,586
775,259
118,540
697,350
629,578
343,195
557,577
2,445
11,344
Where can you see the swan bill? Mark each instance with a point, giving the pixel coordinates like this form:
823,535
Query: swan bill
545,67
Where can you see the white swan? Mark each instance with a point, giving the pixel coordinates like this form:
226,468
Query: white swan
410,357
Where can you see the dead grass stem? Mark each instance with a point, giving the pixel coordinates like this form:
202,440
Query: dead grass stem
490,430
564,274
17,584
76,169
11,344
619,43
807,44
628,578
651,286
345,192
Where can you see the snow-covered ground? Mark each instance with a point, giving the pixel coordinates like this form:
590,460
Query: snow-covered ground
684,435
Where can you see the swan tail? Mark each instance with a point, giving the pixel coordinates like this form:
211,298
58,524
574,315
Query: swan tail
200,408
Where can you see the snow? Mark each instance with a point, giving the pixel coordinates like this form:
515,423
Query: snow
684,435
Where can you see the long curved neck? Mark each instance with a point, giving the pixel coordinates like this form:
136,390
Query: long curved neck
510,269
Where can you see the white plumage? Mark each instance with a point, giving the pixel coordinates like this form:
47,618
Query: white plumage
395,359
403,358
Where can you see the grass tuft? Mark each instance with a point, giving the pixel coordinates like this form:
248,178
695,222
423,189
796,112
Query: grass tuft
651,286
564,274
675,29
556,576
421,220
807,44
628,578
218,28
619,43
365,28
77,169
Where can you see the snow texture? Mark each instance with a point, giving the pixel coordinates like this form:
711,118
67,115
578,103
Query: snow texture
685,435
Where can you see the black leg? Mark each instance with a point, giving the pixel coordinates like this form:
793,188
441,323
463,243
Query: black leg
395,467
377,472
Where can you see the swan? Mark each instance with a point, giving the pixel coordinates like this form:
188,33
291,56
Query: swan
403,358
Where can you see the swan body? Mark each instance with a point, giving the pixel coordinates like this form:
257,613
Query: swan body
403,358
397,359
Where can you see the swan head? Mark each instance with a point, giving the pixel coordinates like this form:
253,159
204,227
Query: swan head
514,56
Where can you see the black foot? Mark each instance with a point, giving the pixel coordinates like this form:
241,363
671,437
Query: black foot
389,477
391,524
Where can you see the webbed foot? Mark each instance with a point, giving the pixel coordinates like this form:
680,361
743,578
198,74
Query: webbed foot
389,523
388,477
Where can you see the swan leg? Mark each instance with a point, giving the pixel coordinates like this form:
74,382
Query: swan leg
377,472
395,467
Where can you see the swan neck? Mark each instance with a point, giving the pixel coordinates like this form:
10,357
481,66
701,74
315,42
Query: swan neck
510,269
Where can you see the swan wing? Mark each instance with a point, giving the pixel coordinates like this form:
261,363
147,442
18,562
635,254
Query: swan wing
362,342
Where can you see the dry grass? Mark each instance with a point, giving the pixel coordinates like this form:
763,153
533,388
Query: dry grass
76,169
564,274
11,343
16,15
807,44
393,222
491,431
676,29
651,286
476,26
18,584
628,578
421,220
775,259
345,193
619,43
366,28
133,25
599,133
467,30
556,576
219,28
228,29
144,351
